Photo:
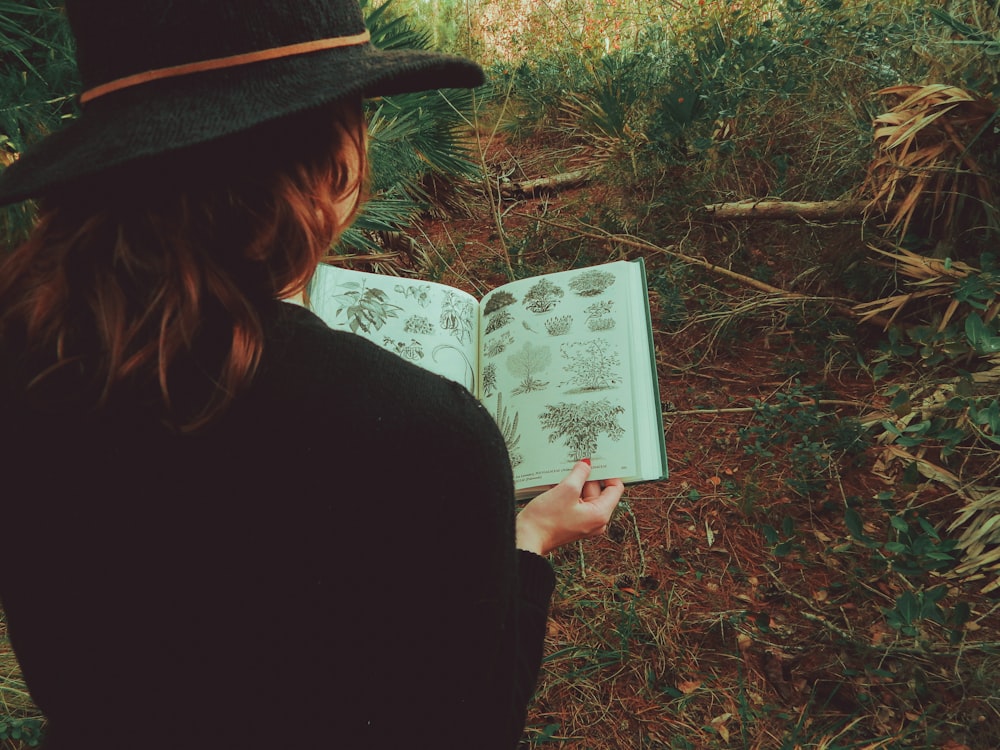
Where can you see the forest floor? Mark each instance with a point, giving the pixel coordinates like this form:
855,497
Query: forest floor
732,606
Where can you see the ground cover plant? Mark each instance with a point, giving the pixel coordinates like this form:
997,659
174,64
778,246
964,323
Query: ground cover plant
822,569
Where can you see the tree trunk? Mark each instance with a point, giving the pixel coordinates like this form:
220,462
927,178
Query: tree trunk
774,209
531,188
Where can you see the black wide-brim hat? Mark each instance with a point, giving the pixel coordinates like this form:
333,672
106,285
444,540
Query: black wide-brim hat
162,75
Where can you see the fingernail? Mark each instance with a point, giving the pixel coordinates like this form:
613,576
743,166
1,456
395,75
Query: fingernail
586,461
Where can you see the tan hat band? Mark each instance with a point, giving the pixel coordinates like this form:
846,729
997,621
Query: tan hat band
218,63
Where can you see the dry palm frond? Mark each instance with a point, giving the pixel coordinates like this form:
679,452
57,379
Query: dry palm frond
924,153
931,277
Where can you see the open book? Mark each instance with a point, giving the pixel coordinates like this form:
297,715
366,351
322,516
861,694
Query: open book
564,361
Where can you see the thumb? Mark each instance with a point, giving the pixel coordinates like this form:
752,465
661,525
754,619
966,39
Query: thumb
577,476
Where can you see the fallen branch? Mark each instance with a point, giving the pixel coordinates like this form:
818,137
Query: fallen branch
531,188
774,209
596,233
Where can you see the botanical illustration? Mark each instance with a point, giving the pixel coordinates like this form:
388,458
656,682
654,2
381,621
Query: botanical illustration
559,325
418,324
543,296
579,425
489,379
599,316
592,282
497,301
526,363
508,428
592,365
420,294
499,320
469,369
457,317
498,345
412,350
367,309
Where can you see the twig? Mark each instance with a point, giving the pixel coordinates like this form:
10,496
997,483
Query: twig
596,233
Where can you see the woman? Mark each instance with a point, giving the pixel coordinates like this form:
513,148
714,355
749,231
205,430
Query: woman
225,525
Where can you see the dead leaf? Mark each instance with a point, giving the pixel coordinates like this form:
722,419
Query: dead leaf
688,686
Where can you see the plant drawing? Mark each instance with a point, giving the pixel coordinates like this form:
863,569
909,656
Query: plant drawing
412,351
422,294
526,363
592,282
490,379
457,317
599,316
418,324
498,345
497,301
592,365
366,309
508,428
559,325
499,320
580,424
468,365
543,296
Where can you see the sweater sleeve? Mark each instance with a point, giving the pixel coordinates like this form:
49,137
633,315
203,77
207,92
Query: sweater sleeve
536,580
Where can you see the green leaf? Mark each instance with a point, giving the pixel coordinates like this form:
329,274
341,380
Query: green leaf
899,523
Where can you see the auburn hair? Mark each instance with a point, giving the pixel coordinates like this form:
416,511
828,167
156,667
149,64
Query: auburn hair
114,285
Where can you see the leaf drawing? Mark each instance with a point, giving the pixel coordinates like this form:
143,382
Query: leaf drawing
526,363
579,425
592,282
508,428
367,309
592,365
422,294
457,317
543,296
497,301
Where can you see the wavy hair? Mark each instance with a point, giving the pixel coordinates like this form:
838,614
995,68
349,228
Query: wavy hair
114,286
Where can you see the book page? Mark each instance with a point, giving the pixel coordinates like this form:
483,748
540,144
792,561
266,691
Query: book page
558,358
430,324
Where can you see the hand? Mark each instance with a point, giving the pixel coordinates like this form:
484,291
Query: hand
573,509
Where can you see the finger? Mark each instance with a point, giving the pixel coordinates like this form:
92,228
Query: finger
610,496
591,490
577,477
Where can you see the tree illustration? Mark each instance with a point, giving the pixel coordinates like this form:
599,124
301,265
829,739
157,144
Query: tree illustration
580,424
592,365
525,363
592,282
497,301
543,296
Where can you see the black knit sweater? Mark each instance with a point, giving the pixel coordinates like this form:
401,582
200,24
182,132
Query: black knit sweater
329,564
